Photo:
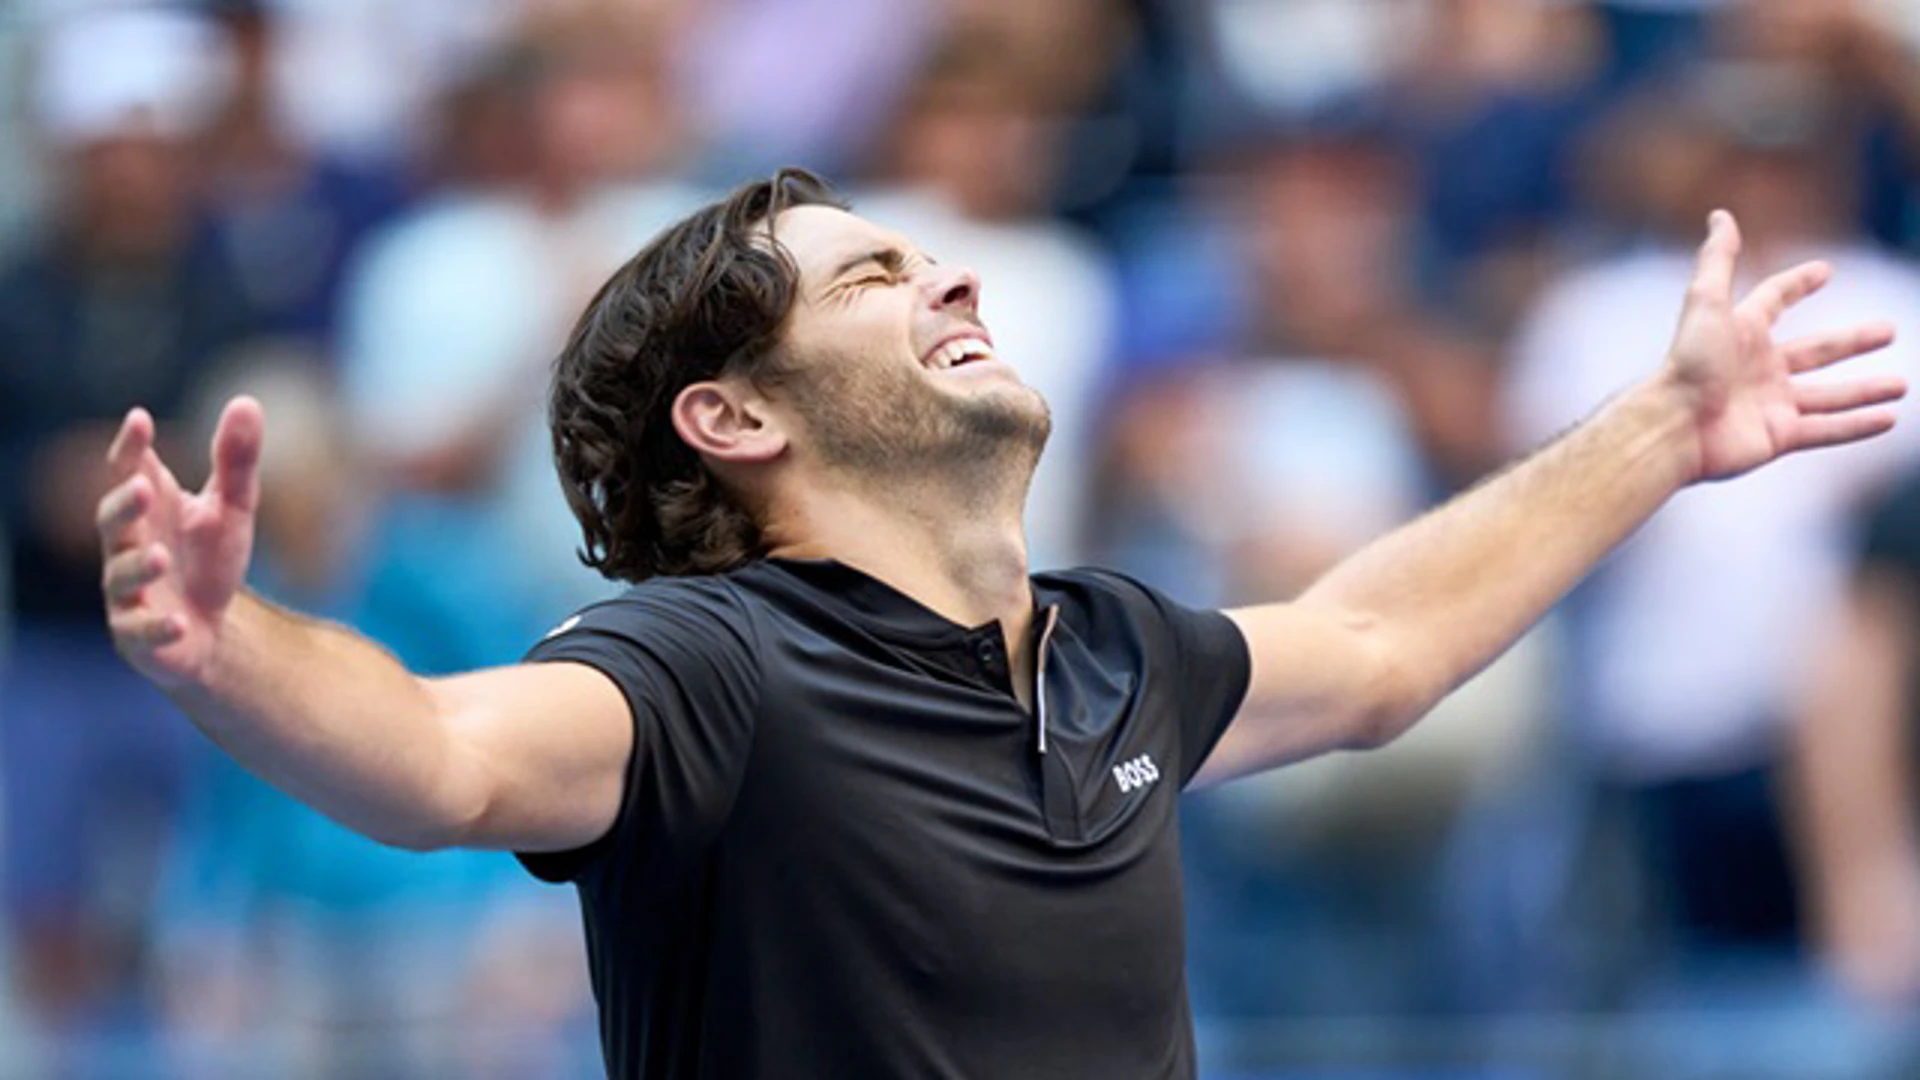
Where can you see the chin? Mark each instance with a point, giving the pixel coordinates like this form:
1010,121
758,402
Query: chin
1005,388
1011,412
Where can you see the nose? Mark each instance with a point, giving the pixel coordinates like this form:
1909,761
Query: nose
955,286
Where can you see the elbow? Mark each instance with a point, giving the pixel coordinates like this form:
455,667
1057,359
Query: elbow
420,839
430,833
1380,726
452,817
1398,696
450,798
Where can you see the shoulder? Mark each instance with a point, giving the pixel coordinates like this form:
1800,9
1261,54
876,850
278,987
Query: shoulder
1104,595
666,611
685,640
1088,581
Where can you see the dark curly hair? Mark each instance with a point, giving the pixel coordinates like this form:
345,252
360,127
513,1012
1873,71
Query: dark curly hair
707,297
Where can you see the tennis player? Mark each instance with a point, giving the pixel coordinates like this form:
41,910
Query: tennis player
845,789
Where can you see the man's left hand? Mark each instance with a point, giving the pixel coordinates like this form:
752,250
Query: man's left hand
1736,383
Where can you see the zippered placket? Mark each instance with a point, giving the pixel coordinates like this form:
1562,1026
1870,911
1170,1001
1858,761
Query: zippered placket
1040,677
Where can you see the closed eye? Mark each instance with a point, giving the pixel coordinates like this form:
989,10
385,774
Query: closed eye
886,267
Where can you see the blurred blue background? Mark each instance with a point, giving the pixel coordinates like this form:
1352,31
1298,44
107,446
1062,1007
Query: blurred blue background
1289,271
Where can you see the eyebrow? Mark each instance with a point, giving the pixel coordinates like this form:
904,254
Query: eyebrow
890,258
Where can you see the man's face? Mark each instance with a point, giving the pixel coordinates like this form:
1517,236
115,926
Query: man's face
886,364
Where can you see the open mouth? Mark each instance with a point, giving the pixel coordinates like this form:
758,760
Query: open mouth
958,353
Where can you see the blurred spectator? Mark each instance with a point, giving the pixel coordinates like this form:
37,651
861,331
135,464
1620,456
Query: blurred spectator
359,79
1688,645
455,311
1488,101
1296,56
287,217
786,82
1325,233
1265,466
118,300
1484,98
971,159
1865,54
20,174
1110,73
1345,409
281,928
1855,746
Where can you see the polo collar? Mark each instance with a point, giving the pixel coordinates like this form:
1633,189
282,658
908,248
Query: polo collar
878,604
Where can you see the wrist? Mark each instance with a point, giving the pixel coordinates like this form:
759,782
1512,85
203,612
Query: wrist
237,623
1664,412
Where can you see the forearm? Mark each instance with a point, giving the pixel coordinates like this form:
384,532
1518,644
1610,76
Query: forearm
1374,644
333,720
1445,595
1854,781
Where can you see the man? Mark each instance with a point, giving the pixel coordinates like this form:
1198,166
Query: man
846,792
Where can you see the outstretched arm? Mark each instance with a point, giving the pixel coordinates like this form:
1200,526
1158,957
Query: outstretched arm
1373,645
525,757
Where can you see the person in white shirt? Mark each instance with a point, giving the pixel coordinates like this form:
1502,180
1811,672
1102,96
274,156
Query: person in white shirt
1688,645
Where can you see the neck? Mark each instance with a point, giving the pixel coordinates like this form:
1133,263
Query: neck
963,558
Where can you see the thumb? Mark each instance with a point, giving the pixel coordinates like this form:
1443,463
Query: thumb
236,454
1714,268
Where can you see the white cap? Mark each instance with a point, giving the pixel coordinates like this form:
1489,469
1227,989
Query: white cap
108,71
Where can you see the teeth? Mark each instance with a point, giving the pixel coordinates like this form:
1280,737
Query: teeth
955,352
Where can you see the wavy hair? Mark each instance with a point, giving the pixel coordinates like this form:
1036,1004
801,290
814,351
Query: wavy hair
706,298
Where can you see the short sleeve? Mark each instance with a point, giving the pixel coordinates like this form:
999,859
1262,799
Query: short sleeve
682,652
1207,666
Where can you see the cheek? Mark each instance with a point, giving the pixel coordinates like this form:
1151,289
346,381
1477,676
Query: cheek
854,342
845,383
877,317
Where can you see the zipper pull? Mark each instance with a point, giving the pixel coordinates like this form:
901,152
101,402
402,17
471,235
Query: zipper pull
1040,676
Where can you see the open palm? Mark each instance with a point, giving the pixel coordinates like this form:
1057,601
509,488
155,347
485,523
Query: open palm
174,559
1748,408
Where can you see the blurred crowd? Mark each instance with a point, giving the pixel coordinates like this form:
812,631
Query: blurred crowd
1288,272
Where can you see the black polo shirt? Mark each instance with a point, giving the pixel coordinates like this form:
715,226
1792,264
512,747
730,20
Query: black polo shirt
846,851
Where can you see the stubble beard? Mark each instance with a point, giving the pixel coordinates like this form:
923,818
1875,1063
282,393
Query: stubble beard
980,448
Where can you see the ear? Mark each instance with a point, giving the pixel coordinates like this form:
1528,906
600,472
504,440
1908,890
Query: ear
727,420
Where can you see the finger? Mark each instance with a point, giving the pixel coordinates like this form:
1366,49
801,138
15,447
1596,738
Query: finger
131,571
1819,350
236,454
130,443
1713,272
120,511
1813,398
147,632
1787,288
1840,428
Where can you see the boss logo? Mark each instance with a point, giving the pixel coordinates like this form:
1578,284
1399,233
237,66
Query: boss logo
1136,774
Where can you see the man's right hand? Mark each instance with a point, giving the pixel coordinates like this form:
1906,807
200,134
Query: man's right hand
174,560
